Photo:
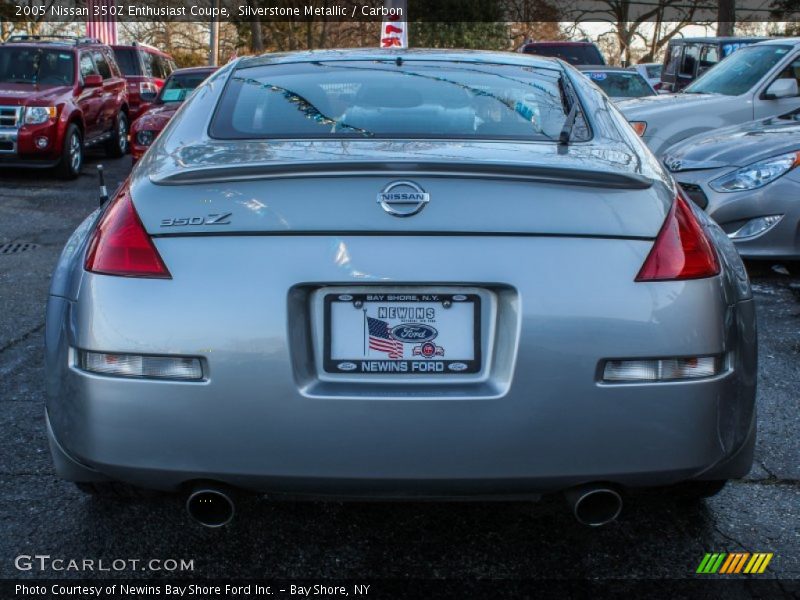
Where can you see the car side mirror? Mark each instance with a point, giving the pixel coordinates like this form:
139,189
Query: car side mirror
782,88
92,81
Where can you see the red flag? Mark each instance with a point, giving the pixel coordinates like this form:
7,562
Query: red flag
103,25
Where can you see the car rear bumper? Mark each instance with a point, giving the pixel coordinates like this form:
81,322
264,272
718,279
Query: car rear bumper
540,421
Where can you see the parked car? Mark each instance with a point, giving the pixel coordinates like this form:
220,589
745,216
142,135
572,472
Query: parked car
145,69
686,59
618,82
446,267
59,95
755,82
651,72
575,53
746,178
155,117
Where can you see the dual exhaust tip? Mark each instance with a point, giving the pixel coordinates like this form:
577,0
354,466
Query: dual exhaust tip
593,505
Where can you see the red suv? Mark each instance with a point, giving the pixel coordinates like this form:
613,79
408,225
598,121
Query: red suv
59,95
145,68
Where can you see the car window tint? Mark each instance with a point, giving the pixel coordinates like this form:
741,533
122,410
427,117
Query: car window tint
34,65
87,65
740,71
691,53
653,71
621,85
673,57
418,99
709,56
147,64
127,60
102,65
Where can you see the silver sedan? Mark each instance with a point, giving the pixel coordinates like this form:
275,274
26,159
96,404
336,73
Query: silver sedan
746,178
400,274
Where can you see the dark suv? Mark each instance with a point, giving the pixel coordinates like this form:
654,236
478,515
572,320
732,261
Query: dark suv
575,53
145,69
59,95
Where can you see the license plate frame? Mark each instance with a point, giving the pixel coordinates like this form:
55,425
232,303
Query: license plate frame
413,366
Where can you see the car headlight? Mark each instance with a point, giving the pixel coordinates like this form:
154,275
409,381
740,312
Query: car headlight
756,175
35,115
145,137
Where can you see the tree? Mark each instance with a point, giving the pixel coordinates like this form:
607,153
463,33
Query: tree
629,19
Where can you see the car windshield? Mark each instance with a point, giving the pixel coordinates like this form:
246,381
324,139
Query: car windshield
178,87
392,99
740,71
36,65
618,84
578,54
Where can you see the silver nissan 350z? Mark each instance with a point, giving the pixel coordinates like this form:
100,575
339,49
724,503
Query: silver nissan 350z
400,274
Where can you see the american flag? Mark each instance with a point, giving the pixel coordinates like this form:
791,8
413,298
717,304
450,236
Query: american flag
105,28
380,340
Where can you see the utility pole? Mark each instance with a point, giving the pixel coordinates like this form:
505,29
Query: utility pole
213,42
726,17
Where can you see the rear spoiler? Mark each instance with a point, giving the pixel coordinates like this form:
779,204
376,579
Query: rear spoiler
482,170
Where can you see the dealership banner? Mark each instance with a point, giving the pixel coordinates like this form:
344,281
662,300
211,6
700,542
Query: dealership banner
379,11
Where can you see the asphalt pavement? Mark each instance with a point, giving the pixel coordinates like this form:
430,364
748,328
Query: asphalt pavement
654,538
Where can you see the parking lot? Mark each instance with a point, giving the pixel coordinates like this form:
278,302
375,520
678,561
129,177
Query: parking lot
39,514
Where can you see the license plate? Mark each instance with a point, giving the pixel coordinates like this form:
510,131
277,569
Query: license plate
402,334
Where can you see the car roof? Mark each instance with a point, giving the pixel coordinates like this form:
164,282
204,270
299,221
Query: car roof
720,40
605,68
559,43
368,54
187,70
143,47
793,41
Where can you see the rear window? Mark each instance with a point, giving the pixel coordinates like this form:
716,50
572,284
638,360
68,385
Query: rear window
653,71
178,87
415,99
573,54
128,61
621,85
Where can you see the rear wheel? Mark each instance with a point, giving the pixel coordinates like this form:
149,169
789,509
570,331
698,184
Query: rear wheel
71,154
117,146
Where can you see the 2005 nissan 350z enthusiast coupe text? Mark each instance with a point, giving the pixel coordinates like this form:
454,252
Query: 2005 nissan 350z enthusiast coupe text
400,274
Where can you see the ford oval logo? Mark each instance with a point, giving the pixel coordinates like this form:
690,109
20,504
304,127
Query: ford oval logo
414,332
403,198
457,366
346,366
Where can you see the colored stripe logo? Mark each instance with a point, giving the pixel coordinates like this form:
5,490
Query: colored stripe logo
734,563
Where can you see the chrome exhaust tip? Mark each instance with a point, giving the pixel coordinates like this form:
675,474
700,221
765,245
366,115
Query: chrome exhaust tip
210,506
594,505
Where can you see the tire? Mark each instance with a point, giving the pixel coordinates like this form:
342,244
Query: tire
117,146
71,154
113,489
697,490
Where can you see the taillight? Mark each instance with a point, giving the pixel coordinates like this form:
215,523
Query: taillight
121,246
147,87
681,250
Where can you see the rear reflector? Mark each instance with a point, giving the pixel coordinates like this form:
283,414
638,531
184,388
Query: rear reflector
681,250
121,246
134,365
663,369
